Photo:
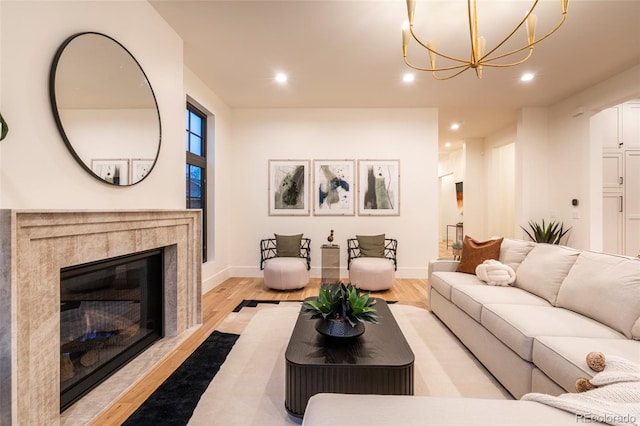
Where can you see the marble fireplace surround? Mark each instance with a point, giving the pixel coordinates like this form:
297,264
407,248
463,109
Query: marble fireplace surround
35,245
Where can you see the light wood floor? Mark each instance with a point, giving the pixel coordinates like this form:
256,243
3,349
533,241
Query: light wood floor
216,305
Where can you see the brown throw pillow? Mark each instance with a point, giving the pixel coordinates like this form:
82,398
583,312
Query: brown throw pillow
371,245
475,252
288,245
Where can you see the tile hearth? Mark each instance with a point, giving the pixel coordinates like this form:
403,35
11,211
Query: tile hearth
35,246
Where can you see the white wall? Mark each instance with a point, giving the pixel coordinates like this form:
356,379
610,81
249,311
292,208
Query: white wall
409,135
500,166
36,170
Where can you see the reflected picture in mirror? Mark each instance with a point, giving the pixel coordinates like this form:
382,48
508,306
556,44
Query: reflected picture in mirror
105,108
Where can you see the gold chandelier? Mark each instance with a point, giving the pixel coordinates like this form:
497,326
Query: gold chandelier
479,57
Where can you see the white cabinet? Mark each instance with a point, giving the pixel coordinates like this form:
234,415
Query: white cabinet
612,127
632,202
612,171
631,124
619,128
613,218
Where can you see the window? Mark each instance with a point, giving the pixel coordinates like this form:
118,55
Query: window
196,170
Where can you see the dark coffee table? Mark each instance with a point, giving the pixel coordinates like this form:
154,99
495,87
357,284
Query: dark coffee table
378,362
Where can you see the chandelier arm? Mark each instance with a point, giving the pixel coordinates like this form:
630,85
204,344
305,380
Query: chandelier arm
451,76
417,68
517,27
485,60
442,55
486,64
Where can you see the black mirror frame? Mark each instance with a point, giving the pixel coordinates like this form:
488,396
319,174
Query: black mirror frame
56,115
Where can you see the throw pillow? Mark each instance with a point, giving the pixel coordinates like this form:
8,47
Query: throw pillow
371,245
288,245
475,252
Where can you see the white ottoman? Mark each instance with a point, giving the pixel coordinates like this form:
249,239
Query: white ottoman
372,273
286,273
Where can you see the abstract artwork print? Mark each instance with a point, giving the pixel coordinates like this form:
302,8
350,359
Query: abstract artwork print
288,181
379,182
333,187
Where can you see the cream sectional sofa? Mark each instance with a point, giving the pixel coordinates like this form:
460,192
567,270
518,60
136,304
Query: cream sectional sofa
533,336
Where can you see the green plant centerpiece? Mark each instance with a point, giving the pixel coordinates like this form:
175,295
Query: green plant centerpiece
341,310
549,233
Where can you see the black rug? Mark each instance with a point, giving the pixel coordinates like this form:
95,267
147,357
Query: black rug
174,401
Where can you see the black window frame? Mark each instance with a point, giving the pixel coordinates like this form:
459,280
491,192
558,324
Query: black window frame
201,162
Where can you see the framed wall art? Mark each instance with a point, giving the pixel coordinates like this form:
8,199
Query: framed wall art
333,187
140,167
114,171
379,187
289,187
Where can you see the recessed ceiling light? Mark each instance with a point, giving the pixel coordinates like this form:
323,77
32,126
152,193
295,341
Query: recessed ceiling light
408,77
526,77
281,77
455,126
447,145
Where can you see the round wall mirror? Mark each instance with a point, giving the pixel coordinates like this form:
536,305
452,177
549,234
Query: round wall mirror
105,108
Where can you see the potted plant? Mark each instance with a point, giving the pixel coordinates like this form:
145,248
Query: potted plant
456,248
341,310
549,233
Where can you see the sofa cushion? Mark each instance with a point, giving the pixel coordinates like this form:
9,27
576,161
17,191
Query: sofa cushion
517,325
443,282
475,252
606,288
563,359
470,298
544,269
513,252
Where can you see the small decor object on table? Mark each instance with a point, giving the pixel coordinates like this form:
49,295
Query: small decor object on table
456,248
330,237
341,310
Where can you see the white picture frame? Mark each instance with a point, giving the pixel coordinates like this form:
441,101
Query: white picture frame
334,187
379,187
289,188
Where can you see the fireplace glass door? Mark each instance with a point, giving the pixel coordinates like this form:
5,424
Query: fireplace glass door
110,311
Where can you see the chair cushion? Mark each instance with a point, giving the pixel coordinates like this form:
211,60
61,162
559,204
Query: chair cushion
517,325
606,288
288,245
475,252
544,269
372,273
286,273
371,245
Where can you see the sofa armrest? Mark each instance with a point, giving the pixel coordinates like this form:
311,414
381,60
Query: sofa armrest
445,265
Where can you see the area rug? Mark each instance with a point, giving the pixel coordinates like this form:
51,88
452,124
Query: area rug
249,388
174,401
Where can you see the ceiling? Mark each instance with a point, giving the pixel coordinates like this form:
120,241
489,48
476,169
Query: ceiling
347,53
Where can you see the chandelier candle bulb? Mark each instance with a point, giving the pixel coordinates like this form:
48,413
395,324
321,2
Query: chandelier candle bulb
532,20
411,7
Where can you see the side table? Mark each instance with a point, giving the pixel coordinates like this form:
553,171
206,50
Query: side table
330,263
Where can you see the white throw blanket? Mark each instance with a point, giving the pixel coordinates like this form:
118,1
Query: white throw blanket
495,273
617,402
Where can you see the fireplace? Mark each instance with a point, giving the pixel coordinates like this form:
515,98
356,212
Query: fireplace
110,311
35,247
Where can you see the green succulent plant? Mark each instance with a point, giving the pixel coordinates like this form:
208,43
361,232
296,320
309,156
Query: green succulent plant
343,303
457,245
549,233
